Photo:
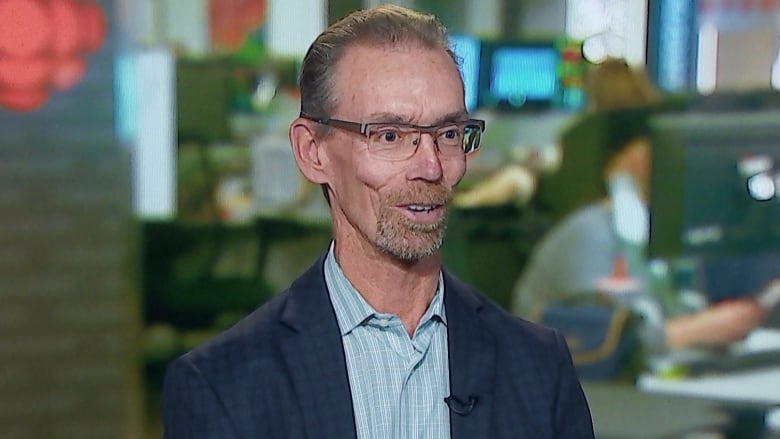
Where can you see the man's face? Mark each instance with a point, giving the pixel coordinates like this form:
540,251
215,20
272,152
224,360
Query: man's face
398,207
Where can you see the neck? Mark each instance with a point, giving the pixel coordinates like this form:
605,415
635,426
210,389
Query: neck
390,286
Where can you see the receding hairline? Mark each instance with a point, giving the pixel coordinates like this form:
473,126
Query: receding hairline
389,46
386,27
407,45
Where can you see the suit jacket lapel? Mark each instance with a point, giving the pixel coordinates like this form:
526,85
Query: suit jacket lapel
315,355
472,360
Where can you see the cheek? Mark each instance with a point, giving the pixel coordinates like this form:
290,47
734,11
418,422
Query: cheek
379,176
373,175
454,170
360,180
357,184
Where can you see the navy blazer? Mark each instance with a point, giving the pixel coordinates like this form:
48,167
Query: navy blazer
281,373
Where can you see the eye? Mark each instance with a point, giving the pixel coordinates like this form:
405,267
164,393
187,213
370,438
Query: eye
450,135
386,134
389,136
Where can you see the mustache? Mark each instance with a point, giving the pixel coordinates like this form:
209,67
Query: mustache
422,193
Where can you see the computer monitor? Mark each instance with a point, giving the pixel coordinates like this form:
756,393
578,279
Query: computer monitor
715,184
519,75
467,49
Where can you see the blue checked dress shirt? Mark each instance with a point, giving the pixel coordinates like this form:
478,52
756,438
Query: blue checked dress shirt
398,383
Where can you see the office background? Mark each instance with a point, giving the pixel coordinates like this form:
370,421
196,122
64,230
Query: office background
148,199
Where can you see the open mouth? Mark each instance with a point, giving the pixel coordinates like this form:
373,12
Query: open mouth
422,208
423,213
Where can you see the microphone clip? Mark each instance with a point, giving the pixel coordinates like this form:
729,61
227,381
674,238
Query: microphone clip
460,407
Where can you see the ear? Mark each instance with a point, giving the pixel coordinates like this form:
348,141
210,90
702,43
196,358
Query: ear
307,150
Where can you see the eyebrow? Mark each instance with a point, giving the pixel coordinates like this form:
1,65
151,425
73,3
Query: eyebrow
454,116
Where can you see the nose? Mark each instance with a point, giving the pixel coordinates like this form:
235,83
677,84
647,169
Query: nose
426,161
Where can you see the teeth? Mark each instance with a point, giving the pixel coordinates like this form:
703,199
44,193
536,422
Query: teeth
419,208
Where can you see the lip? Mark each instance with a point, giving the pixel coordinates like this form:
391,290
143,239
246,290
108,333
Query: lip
422,213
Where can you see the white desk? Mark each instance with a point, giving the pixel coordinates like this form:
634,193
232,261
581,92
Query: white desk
760,386
753,387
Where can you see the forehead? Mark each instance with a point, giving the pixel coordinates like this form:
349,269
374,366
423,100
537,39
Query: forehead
409,81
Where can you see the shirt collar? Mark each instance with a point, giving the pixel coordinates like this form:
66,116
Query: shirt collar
351,308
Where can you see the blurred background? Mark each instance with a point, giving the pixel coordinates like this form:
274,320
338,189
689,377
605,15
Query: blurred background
148,197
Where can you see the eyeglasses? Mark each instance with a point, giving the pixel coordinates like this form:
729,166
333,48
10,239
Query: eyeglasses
399,141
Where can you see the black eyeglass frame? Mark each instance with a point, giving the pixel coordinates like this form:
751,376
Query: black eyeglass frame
362,128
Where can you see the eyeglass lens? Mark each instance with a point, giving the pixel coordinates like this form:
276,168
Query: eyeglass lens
400,142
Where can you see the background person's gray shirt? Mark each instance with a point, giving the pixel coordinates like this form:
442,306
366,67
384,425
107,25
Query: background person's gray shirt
569,259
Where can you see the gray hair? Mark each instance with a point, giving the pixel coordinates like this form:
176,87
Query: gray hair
383,26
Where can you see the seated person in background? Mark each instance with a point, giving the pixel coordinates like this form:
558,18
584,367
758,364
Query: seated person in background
608,86
598,239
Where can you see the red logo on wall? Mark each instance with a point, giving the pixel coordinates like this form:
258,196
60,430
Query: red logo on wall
43,48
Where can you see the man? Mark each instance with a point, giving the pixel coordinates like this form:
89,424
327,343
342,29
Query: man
375,340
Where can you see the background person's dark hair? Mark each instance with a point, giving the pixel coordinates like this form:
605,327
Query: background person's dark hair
622,127
613,84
